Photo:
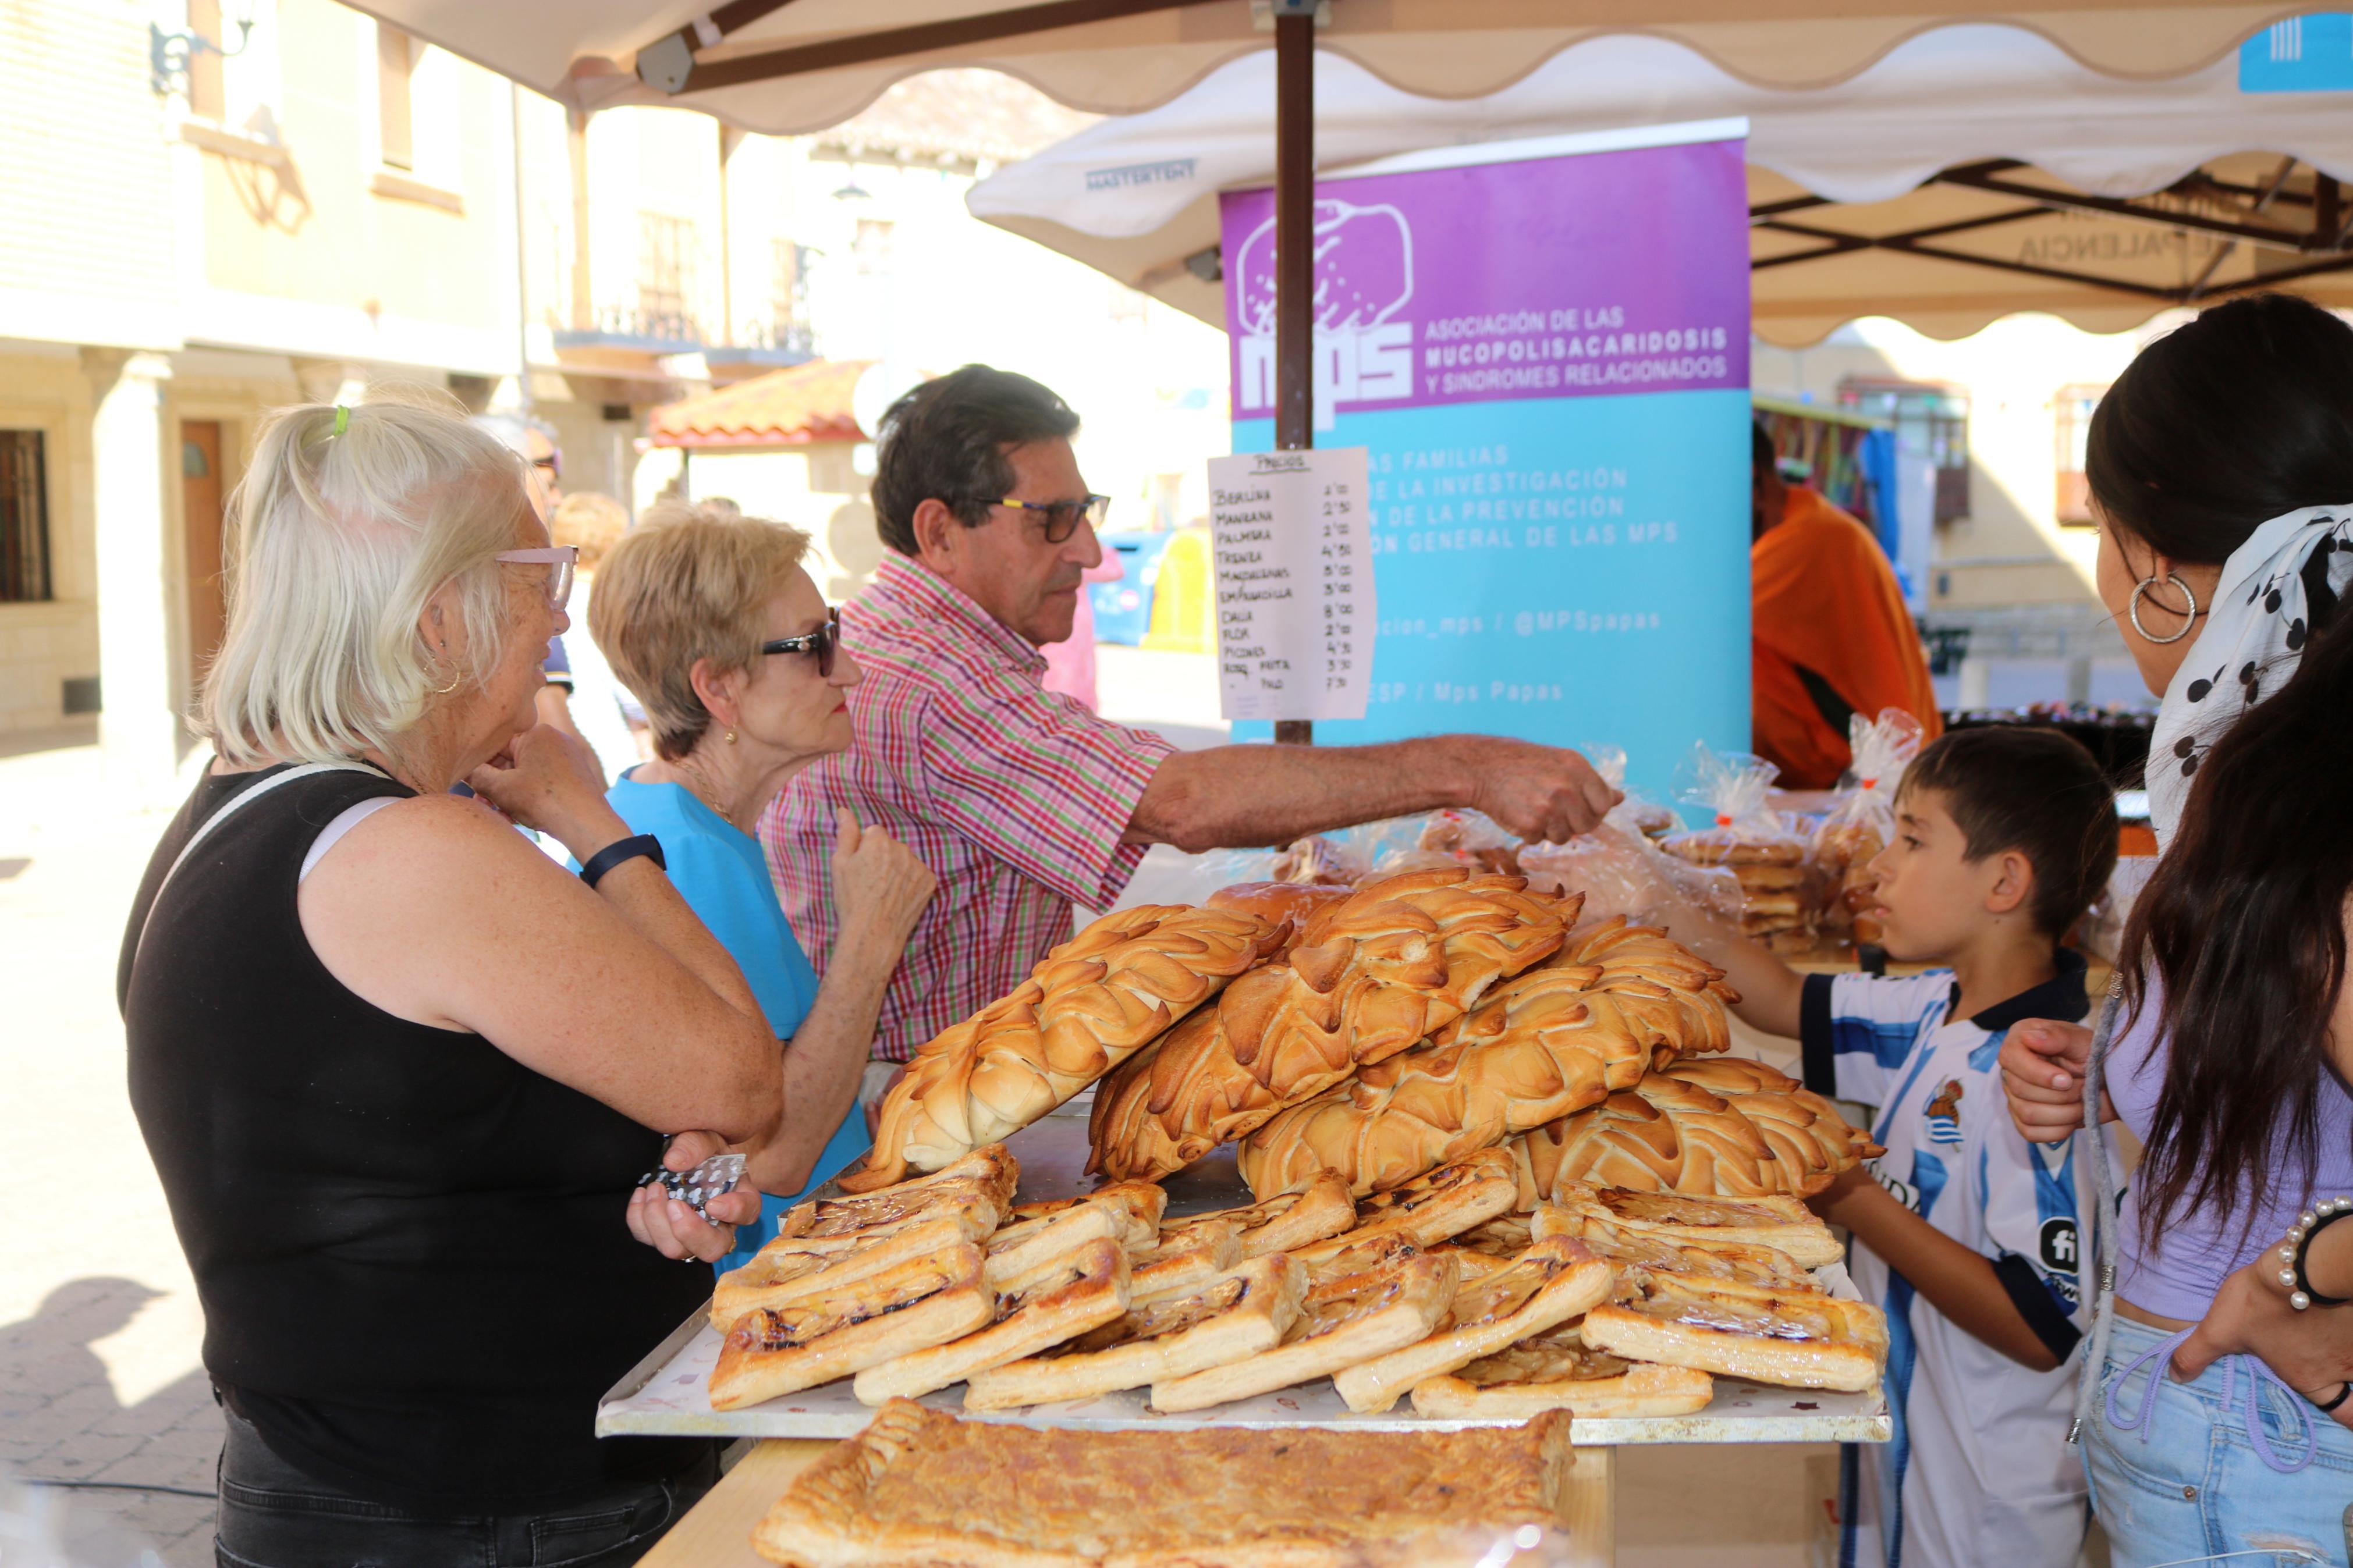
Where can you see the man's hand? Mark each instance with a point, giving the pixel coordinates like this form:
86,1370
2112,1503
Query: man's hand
671,1227
1542,794
2043,1067
2311,1352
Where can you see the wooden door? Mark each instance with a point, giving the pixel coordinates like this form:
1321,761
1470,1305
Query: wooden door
200,508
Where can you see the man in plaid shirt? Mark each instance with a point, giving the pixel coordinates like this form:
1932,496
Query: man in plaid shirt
1021,801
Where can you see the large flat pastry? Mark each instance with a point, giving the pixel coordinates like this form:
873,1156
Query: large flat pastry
1292,1220
1342,1322
1630,1247
775,1351
1556,1371
1553,1280
1232,1316
1540,1047
922,1486
1375,975
1794,1338
1782,1223
1431,1208
1724,1125
1060,1299
1088,1006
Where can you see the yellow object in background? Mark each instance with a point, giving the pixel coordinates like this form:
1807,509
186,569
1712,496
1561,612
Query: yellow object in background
1182,598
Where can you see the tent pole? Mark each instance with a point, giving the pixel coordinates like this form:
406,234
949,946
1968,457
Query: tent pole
1294,251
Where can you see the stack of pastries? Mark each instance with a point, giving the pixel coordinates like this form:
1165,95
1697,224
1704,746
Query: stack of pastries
1775,902
1443,1291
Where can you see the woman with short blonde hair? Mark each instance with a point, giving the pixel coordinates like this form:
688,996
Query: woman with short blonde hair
375,1036
708,617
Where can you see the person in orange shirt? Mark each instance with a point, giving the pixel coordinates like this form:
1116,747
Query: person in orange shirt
1831,637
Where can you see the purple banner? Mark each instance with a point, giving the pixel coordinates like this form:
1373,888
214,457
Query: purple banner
1543,278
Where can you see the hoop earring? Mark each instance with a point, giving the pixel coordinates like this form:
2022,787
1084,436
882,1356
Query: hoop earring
444,690
2189,615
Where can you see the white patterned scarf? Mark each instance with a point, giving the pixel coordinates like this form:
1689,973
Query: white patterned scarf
2253,638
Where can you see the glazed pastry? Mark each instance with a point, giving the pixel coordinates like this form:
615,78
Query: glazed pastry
1541,1047
1375,975
1429,1209
1275,903
1292,1220
775,1351
1555,1371
1058,1299
1722,847
1630,1247
1343,1321
1225,1318
1187,1252
1728,1126
1553,1280
1678,995
921,1486
1794,1339
1090,1003
1134,1207
1782,1223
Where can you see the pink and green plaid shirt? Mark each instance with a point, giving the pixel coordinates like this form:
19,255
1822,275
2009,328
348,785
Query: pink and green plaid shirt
1015,796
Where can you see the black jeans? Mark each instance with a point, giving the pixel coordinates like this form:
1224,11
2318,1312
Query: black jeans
274,1516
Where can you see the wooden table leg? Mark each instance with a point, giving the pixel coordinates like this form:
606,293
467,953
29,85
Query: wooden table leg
717,1531
1590,1508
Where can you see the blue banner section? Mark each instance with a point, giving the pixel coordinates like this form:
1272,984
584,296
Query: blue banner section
1573,570
2304,54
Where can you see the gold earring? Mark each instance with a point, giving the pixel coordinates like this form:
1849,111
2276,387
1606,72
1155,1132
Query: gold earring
731,737
445,690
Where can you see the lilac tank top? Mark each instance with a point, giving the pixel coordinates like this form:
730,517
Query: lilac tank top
2178,1276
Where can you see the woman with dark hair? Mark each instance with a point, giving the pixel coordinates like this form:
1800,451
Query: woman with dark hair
2215,1418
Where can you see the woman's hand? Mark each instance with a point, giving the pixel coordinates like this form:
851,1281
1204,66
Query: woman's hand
2311,1351
879,887
548,782
2043,1067
671,1227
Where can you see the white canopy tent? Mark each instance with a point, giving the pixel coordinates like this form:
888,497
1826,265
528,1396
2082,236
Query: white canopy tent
1972,171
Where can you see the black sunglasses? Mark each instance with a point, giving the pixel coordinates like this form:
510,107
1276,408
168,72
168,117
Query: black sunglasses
820,642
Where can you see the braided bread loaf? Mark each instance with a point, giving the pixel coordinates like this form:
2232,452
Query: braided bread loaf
1540,1047
1728,1126
1089,1005
1375,973
1677,996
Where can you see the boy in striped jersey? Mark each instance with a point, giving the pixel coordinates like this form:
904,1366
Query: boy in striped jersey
1963,1231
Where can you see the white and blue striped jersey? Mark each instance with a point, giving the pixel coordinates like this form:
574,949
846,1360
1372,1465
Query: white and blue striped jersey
1978,1471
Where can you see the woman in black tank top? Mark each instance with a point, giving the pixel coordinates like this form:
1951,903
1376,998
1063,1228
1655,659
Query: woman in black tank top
399,1099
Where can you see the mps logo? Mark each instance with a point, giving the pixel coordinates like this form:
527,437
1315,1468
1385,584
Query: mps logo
1363,277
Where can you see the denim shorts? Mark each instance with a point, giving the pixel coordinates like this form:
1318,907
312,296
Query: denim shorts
274,1516
2207,1474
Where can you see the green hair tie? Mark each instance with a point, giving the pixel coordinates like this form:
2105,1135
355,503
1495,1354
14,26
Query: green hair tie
342,420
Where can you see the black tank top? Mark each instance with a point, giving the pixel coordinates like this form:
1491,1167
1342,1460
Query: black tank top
410,1249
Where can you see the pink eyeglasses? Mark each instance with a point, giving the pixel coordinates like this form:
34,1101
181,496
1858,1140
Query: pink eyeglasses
561,559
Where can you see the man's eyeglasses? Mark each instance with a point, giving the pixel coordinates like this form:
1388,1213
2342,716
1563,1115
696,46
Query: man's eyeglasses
560,560
1061,517
821,643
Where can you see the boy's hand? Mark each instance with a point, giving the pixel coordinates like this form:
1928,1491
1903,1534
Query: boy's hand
2043,1067
1835,1204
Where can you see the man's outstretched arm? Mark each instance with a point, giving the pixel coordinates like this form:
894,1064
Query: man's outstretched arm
1244,796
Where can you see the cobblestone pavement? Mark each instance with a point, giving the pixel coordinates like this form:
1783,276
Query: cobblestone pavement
98,1326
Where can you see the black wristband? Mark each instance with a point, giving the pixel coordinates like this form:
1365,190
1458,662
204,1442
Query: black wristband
621,849
2342,1391
2326,1215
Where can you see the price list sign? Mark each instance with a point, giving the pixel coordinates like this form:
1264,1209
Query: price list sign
1294,584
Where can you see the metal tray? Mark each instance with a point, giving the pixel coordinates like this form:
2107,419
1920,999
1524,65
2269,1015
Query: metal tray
668,1393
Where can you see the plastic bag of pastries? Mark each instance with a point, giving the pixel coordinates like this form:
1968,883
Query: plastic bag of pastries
1747,837
1862,820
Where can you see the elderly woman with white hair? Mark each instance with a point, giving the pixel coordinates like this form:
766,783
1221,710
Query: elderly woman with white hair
375,1037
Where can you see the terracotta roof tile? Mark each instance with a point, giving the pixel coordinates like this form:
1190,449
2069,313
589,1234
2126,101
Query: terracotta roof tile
789,408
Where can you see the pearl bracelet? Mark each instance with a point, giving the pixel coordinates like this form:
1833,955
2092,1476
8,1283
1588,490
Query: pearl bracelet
2309,1224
